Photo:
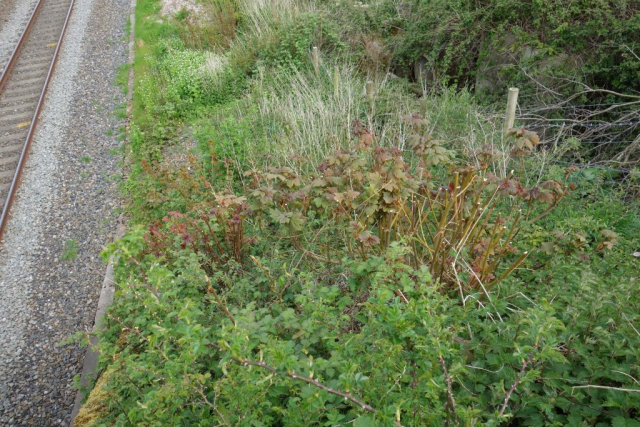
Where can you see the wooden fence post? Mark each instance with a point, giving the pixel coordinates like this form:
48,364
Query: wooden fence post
316,60
510,115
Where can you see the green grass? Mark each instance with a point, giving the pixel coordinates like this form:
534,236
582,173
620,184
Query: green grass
148,33
127,31
122,77
115,177
121,111
70,250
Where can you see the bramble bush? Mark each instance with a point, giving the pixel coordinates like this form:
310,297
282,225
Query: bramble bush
456,36
380,287
382,279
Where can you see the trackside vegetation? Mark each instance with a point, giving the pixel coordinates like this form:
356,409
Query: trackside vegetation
327,244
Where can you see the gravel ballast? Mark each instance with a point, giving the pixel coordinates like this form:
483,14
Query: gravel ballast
65,212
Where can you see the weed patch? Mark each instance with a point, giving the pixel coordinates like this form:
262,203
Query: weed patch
324,257
70,250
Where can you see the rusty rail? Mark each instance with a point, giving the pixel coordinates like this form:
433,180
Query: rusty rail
3,79
16,50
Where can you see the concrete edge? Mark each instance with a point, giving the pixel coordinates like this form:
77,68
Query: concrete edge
91,358
89,367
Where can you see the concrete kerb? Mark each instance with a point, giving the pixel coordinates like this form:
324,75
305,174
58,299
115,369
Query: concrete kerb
91,358
89,367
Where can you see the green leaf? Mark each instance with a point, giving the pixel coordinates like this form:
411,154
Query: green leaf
364,421
618,422
280,217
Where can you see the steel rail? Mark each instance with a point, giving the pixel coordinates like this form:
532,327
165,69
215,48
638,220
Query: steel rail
23,37
27,144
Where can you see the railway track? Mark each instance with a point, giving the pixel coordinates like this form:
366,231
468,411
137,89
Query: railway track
23,87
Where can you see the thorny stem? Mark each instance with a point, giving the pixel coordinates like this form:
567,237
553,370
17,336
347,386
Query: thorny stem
217,297
199,230
495,237
296,244
515,265
487,210
525,363
245,362
212,406
213,235
452,401
503,248
628,390
549,209
438,268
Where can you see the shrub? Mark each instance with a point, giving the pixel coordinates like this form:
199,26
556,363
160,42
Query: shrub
456,36
328,261
298,38
326,297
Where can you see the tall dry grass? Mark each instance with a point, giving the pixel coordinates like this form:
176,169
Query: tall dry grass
305,118
262,18
316,121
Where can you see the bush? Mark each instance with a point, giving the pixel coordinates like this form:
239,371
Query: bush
189,79
327,261
326,299
456,36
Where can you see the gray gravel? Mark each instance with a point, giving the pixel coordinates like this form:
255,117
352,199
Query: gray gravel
68,194
14,14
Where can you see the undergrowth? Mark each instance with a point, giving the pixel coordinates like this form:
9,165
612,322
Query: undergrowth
323,256
384,287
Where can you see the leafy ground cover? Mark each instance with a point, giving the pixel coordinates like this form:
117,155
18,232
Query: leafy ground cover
301,253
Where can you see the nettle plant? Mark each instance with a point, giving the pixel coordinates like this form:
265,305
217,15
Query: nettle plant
458,219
